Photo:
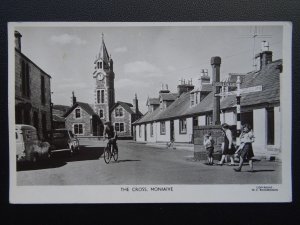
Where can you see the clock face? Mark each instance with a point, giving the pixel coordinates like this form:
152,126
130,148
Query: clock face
100,76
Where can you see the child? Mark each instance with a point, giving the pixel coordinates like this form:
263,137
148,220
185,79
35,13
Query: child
209,146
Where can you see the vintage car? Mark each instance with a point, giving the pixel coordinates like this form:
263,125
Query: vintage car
28,147
63,140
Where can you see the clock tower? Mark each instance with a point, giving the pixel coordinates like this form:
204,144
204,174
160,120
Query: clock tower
104,83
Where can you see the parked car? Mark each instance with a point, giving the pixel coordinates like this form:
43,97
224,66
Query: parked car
28,146
63,140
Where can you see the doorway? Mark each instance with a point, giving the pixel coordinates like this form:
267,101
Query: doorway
172,130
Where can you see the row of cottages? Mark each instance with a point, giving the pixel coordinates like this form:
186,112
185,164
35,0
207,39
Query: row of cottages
32,92
166,121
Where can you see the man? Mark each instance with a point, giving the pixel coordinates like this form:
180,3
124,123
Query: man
111,134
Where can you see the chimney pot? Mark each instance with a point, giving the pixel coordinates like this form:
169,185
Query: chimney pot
18,37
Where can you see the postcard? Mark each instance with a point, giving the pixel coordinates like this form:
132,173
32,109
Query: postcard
169,112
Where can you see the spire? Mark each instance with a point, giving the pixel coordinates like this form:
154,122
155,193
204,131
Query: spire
103,54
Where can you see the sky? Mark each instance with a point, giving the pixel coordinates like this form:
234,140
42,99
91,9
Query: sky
145,57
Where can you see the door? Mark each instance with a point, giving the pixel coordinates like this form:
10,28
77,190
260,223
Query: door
172,130
145,132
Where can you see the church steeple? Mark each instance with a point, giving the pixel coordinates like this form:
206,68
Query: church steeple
104,79
103,53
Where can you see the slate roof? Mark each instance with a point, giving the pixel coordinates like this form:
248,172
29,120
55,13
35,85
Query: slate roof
58,118
268,77
206,88
153,101
127,106
168,96
85,106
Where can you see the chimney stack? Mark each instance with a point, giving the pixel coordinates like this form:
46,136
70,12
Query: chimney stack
18,40
184,87
73,98
265,55
135,104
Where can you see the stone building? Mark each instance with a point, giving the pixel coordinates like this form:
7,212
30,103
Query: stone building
123,114
32,92
82,120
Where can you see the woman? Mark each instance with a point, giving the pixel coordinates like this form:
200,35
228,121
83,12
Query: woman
245,150
228,145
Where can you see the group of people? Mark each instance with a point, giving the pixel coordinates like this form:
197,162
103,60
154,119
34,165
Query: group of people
243,152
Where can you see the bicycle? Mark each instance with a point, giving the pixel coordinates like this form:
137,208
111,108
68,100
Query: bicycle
111,153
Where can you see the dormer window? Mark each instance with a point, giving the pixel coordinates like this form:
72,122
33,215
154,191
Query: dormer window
192,99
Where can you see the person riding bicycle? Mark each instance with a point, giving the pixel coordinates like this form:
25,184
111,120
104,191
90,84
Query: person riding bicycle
111,134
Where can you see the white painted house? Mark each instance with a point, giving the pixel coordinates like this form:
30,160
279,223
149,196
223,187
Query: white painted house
192,106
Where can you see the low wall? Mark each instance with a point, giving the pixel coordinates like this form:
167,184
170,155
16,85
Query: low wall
199,149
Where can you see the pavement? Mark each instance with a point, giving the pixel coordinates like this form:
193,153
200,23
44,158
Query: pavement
140,163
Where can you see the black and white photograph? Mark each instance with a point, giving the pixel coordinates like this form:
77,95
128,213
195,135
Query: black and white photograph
150,112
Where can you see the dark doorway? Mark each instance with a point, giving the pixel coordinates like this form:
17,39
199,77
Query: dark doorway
172,130
270,126
145,132
247,117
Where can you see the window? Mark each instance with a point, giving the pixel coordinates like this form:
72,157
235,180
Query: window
118,112
192,99
195,121
77,113
182,126
78,129
151,129
25,79
163,127
119,127
101,113
102,96
44,124
43,96
98,96
270,126
208,119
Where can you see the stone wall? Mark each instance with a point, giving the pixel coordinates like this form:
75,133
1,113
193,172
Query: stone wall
199,149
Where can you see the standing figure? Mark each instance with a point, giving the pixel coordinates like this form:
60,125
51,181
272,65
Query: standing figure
209,146
229,148
245,150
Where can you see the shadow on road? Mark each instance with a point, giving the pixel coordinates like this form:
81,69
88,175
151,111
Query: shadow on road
128,160
60,159
255,171
45,164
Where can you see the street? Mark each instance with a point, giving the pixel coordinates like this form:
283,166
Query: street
140,164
